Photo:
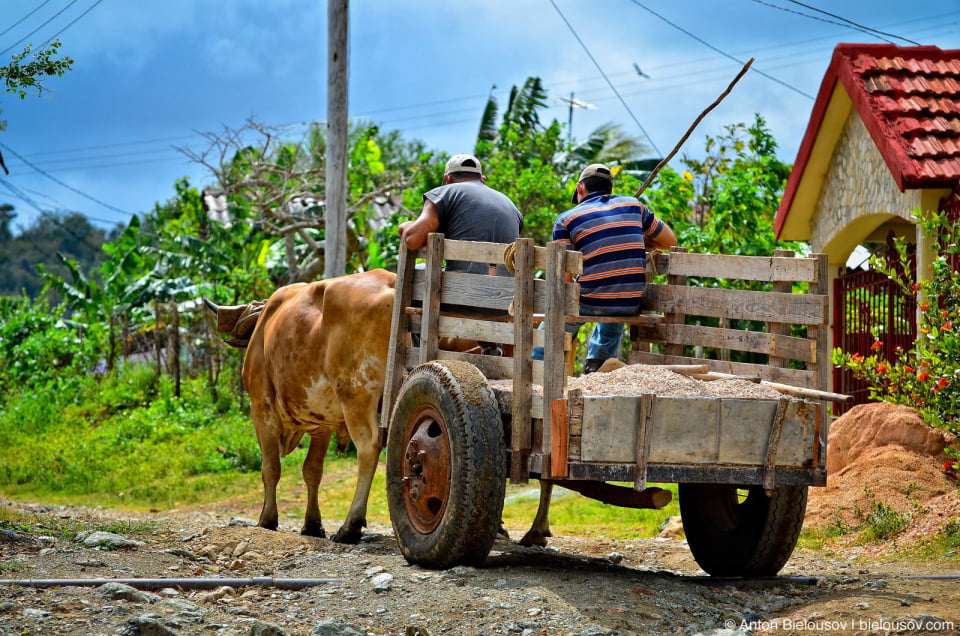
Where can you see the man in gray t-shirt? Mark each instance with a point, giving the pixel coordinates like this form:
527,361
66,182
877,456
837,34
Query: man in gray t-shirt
464,209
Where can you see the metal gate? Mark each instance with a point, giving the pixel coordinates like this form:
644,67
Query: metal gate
869,306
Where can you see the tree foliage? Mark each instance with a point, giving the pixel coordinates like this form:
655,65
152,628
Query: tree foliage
19,76
725,203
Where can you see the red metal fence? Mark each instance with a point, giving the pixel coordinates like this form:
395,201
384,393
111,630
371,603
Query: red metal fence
869,306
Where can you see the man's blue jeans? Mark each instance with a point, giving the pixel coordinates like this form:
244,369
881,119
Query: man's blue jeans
604,341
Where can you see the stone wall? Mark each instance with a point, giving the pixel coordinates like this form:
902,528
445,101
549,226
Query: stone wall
858,184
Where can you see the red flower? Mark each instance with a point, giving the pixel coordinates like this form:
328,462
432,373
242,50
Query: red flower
915,287
942,382
947,326
876,345
944,313
908,369
882,369
922,376
856,358
924,306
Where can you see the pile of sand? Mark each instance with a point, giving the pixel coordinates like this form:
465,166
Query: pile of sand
884,453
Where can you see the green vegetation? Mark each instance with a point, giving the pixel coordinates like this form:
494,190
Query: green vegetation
926,376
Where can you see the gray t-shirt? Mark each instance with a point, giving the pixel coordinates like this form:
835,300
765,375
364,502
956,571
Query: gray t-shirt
470,211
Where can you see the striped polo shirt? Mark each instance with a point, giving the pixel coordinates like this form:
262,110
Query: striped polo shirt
611,232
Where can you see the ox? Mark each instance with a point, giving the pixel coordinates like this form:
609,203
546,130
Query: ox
315,365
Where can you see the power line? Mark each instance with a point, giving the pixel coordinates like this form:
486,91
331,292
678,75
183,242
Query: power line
609,83
55,15
69,187
74,21
17,23
721,52
852,23
813,17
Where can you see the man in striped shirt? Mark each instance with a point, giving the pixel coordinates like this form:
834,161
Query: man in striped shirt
613,233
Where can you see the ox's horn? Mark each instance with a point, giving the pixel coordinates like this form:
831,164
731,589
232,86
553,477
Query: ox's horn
212,306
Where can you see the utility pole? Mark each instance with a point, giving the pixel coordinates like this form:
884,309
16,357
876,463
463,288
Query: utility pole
335,254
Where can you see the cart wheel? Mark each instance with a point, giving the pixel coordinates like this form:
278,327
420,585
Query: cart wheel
446,466
741,531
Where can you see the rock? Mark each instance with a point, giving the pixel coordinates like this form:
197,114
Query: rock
100,539
267,629
146,626
337,628
381,582
120,591
672,528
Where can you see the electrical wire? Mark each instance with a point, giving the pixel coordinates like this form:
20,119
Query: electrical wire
813,17
74,21
721,52
55,15
17,23
609,83
65,185
852,23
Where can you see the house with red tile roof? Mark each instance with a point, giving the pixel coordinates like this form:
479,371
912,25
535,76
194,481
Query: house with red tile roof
883,139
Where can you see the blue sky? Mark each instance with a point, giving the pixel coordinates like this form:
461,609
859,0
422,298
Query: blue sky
150,76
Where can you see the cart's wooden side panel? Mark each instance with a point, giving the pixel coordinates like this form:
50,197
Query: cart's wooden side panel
707,321
693,431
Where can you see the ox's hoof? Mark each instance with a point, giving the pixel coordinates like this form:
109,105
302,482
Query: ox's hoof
535,538
502,532
349,533
313,530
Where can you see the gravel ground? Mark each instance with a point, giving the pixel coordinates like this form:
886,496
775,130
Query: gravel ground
574,586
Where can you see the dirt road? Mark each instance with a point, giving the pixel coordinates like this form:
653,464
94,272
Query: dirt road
575,586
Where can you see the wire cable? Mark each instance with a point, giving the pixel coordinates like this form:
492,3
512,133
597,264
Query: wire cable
74,21
17,23
852,23
67,186
609,83
55,15
721,52
813,17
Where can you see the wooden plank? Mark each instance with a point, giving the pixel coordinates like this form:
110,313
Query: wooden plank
475,251
801,309
756,268
773,443
788,347
431,299
642,451
819,333
476,329
558,438
554,375
465,290
780,328
795,377
670,473
674,316
523,336
399,332
609,429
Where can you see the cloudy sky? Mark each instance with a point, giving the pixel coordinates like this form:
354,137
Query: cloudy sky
150,76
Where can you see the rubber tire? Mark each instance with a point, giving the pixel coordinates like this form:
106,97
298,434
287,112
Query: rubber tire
752,537
472,433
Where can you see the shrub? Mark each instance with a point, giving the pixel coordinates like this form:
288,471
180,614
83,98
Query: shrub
927,376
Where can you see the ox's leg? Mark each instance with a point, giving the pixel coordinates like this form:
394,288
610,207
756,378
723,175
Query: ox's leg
540,530
312,475
270,474
363,430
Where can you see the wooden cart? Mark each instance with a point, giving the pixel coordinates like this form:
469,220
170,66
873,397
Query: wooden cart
462,424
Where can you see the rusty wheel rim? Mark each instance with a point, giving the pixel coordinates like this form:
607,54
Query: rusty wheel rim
425,469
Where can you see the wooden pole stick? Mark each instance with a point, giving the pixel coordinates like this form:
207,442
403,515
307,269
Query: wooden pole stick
695,123
813,394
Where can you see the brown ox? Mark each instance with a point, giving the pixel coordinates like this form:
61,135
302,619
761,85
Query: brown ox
315,363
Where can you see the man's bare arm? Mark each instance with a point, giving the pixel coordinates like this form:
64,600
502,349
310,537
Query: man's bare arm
414,233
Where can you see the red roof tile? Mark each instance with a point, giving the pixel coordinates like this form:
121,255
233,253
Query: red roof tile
909,100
